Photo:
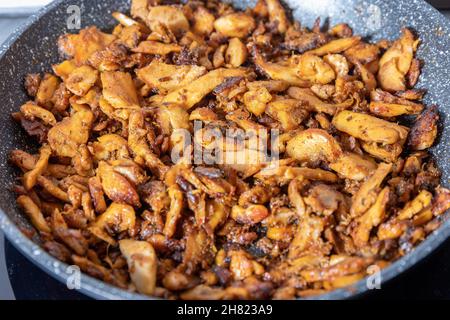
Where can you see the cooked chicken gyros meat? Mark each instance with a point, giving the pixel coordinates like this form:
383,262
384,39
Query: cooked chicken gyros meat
118,188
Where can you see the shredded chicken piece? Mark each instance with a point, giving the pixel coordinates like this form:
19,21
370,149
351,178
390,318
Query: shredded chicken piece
237,25
277,15
278,71
151,174
170,16
396,62
336,46
366,194
83,45
192,93
313,103
314,145
66,136
369,128
30,178
30,111
312,68
372,218
424,131
353,166
167,77
116,186
120,217
119,90
34,213
142,263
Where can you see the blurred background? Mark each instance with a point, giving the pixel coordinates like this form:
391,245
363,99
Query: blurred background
19,279
14,13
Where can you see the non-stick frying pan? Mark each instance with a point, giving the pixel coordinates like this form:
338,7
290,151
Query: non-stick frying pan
32,48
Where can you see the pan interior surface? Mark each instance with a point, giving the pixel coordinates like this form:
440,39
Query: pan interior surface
33,48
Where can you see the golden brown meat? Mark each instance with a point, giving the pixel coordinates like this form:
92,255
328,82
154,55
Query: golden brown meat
396,62
289,112
34,213
157,48
336,46
277,15
416,205
313,69
313,145
142,263
393,110
81,80
119,90
309,99
203,21
278,71
372,218
253,214
424,131
47,88
138,144
256,100
366,194
193,92
31,111
305,42
204,152
174,213
353,166
369,128
170,16
116,186
236,53
118,218
30,178
237,25
83,45
167,77
66,136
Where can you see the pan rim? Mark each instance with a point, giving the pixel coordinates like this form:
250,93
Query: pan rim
98,289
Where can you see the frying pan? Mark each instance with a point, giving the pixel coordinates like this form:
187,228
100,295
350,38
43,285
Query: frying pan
32,48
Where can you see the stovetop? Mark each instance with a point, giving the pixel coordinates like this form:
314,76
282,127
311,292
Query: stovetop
428,280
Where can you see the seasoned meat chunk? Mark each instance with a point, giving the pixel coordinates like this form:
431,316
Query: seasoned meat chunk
201,151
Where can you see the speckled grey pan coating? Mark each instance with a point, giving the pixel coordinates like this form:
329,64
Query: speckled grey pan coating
32,48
